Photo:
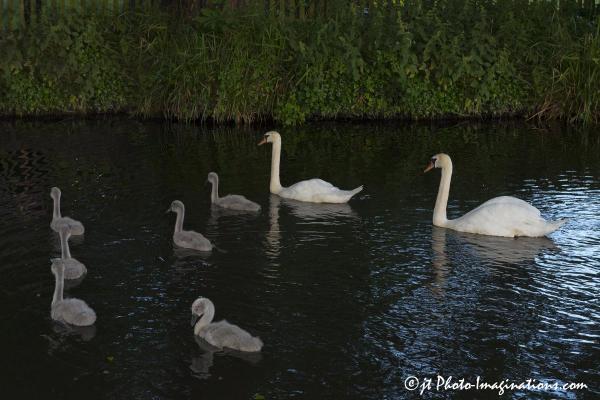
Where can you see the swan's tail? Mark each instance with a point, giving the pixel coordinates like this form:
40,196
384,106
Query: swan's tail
554,225
258,343
357,190
559,222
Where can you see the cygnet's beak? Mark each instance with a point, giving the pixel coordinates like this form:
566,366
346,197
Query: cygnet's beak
263,141
168,211
429,167
195,319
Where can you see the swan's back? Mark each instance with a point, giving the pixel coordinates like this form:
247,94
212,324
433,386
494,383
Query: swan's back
223,334
192,240
318,191
505,216
74,269
237,202
73,311
75,227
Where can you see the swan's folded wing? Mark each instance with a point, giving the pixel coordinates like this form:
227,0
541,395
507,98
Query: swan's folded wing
502,216
237,202
224,334
312,186
191,239
509,201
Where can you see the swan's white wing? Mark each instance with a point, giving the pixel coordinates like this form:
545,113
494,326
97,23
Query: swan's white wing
509,201
223,334
504,216
312,186
318,191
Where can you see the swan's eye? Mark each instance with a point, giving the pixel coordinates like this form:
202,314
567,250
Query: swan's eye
433,160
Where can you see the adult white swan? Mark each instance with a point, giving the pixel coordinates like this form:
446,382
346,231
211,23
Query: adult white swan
71,311
187,239
58,221
500,216
312,190
231,201
220,334
74,269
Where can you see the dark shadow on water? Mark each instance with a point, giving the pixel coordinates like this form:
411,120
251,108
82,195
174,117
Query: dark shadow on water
189,254
85,333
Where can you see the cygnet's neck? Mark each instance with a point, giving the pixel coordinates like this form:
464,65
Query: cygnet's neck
64,244
58,286
56,210
180,211
206,319
214,195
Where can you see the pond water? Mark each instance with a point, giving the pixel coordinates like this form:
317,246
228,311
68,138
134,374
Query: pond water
350,300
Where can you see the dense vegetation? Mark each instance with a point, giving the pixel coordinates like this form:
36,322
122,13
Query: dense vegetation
417,59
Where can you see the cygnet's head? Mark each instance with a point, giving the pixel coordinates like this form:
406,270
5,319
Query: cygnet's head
212,177
175,206
55,192
440,160
200,307
270,137
57,266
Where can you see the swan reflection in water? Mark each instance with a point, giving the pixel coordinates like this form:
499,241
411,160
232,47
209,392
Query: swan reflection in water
324,213
64,332
201,365
493,250
191,254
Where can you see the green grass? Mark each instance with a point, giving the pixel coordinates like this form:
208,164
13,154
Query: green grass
418,60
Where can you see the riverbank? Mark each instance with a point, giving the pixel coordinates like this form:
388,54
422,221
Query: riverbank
415,61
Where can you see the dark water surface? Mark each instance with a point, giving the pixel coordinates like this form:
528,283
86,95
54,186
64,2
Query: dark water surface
350,300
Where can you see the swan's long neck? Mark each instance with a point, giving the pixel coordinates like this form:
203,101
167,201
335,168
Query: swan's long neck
439,212
179,222
64,245
214,195
206,319
56,211
275,186
58,286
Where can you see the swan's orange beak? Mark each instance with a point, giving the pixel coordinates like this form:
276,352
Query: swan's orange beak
429,167
263,141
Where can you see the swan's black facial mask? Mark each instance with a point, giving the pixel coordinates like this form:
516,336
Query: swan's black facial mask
195,319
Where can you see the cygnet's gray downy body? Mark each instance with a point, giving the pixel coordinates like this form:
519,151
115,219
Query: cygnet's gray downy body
59,221
70,311
74,269
231,201
187,239
221,334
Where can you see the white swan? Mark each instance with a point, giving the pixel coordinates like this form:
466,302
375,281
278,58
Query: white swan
58,221
187,239
221,334
71,311
501,216
312,190
74,269
231,201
